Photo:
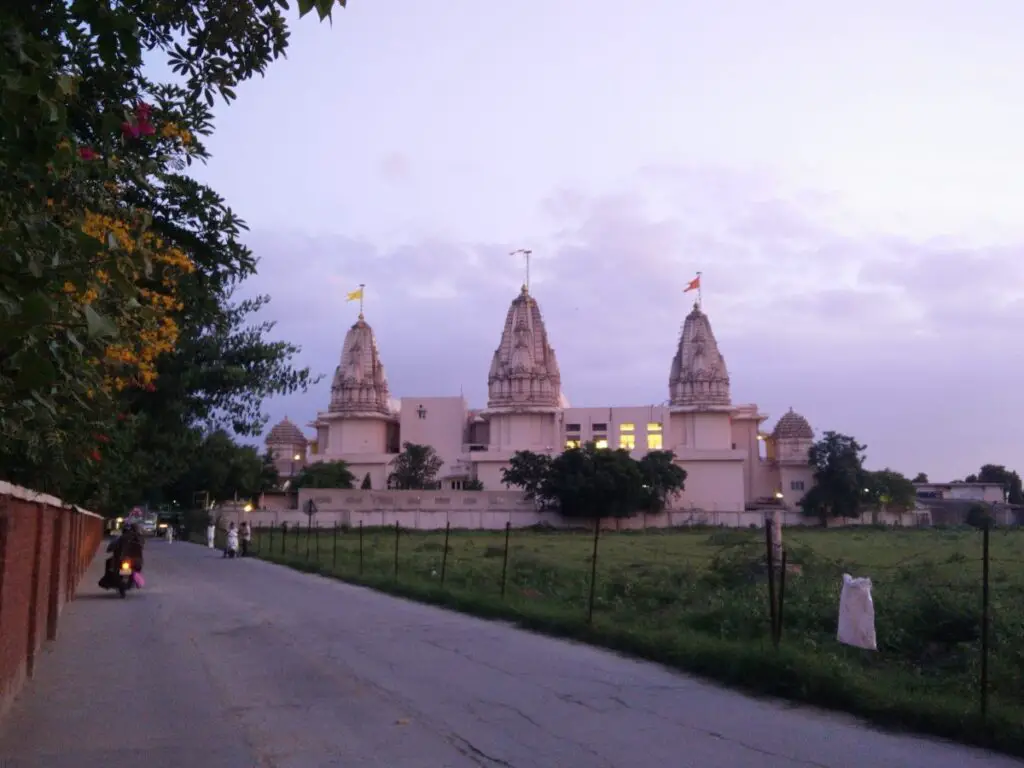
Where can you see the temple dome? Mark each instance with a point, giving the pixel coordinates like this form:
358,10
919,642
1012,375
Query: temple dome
360,386
793,426
524,372
698,378
286,432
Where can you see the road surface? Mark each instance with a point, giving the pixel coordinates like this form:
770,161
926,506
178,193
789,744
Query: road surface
232,664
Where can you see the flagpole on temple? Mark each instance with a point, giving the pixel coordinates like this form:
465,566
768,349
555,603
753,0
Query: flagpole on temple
700,294
362,286
526,252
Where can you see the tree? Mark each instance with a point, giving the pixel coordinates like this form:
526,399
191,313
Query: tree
662,478
888,489
839,478
596,483
270,478
367,483
324,474
979,516
221,468
415,468
119,331
997,473
920,477
528,471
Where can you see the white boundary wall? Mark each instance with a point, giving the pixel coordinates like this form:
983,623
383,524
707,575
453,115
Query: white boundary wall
489,510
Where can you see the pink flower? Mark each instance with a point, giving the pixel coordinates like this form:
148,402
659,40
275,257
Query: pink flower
130,130
86,153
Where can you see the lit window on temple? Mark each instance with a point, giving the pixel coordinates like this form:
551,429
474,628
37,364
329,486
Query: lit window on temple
654,442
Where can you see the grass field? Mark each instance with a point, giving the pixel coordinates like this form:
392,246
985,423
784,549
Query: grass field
698,600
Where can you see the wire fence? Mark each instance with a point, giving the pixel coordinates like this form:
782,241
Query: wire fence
948,610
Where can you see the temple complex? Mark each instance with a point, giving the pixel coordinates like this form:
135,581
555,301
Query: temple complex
732,463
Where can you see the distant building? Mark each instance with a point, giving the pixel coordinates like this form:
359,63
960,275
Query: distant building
718,443
991,493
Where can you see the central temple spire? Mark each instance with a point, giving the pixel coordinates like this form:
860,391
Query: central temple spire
360,386
699,378
524,372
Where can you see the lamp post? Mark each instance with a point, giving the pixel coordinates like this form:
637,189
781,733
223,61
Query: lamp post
295,457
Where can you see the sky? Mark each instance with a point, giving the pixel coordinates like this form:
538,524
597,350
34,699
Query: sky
845,176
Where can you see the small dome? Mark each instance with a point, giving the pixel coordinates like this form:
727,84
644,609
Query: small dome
793,426
286,433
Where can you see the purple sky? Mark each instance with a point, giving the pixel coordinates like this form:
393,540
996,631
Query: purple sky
847,180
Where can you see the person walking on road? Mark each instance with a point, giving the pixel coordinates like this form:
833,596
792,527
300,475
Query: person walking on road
211,533
246,539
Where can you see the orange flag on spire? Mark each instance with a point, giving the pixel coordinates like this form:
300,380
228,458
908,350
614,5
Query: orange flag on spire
693,285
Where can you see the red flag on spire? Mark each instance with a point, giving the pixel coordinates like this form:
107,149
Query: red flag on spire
693,285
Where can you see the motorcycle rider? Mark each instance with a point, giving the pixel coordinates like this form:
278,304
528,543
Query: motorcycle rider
128,546
231,548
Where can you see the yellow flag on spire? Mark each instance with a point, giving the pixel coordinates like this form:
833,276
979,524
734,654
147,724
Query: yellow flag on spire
356,295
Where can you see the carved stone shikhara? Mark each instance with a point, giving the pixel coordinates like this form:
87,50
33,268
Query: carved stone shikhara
360,385
524,372
286,433
793,426
699,378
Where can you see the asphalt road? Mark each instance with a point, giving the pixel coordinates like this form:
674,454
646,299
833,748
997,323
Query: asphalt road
240,663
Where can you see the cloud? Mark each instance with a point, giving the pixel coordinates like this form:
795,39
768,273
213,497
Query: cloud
395,167
892,340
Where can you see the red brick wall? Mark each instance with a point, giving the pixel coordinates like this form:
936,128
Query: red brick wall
45,548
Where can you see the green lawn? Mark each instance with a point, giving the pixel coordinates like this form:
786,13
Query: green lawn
698,600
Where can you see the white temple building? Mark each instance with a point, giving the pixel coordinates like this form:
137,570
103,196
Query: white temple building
731,463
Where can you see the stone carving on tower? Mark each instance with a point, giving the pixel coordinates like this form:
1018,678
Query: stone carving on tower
524,372
699,379
360,386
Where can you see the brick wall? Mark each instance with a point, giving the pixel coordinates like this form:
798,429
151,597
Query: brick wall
45,547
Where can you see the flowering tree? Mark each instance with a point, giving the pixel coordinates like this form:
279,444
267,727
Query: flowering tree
117,269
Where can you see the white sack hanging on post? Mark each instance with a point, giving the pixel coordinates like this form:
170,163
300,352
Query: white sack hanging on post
857,614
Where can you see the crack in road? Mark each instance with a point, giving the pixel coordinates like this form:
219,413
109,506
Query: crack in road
476,754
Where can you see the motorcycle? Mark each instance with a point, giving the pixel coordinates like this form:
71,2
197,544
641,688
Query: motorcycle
123,577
